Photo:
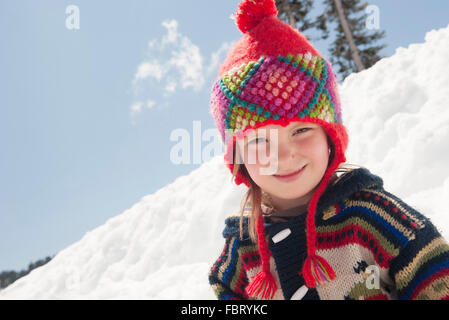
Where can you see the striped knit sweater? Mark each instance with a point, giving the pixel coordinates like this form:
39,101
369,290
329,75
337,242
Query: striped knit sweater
378,246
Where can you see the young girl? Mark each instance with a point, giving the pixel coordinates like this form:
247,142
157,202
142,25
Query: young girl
306,232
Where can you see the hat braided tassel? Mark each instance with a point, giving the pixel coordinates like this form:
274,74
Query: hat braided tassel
263,284
316,270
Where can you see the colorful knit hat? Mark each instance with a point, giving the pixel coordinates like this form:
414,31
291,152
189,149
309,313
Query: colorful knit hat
273,75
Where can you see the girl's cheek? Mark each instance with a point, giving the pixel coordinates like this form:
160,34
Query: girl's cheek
252,154
260,157
256,173
315,144
256,162
253,172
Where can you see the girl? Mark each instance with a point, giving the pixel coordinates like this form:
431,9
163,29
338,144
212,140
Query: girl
305,232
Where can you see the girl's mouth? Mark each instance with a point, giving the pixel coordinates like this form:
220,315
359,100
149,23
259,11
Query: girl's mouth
290,177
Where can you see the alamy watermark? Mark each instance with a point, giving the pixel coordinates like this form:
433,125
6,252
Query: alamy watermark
373,277
72,21
199,146
373,20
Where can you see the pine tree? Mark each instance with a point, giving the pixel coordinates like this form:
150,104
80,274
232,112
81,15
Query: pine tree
354,48
295,12
8,277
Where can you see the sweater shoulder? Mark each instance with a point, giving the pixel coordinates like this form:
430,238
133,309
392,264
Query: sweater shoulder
382,211
232,226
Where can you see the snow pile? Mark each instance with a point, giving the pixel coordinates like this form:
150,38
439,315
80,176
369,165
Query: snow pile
163,247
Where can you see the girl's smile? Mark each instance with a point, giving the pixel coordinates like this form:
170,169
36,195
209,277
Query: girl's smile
290,176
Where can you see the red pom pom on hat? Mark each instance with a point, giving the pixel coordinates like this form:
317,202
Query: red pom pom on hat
251,12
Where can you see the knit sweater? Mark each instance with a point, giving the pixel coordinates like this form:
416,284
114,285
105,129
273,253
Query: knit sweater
378,246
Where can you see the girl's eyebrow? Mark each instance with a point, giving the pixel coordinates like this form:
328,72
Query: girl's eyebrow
259,132
302,124
251,134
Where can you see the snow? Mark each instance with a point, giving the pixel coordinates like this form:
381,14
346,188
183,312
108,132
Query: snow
163,246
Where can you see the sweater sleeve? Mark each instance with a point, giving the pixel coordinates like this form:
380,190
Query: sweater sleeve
421,270
227,277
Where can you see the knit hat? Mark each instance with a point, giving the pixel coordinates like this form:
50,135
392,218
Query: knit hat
273,75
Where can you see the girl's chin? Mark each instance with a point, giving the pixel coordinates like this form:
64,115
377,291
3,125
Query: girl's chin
289,193
290,198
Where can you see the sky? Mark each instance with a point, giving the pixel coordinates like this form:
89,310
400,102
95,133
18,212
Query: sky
86,114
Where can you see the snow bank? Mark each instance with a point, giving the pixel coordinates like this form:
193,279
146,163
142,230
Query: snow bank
161,248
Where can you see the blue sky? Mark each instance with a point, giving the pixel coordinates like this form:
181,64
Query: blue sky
86,115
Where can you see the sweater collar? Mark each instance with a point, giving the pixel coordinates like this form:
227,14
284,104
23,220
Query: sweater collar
348,184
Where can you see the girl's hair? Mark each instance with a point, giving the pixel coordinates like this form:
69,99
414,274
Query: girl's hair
254,194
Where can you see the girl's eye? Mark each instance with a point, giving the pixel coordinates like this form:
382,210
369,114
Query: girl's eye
302,130
256,140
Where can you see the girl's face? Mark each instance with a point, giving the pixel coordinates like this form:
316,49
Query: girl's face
273,154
